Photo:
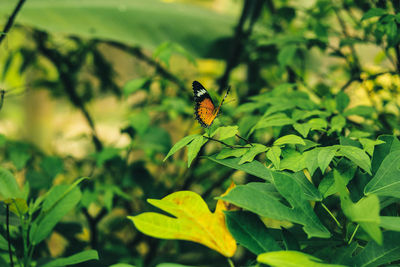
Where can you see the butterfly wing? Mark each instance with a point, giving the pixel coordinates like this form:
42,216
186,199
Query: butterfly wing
204,108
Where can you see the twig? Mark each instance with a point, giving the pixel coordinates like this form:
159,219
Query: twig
244,139
11,19
225,144
137,52
333,216
354,233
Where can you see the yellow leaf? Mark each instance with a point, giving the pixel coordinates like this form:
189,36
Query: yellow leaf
193,222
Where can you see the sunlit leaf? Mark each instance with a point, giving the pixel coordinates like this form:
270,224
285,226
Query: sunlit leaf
252,152
292,258
192,221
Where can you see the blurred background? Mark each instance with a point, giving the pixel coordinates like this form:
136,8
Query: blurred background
103,89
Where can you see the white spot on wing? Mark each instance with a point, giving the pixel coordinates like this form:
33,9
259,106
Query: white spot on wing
201,92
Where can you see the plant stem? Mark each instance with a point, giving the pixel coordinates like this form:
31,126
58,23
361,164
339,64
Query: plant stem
8,234
244,139
225,144
330,213
230,262
11,19
354,233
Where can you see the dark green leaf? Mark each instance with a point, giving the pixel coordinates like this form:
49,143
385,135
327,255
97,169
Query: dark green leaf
250,232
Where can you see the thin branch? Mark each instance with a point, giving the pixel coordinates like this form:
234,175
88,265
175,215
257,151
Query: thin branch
244,139
138,53
11,19
225,144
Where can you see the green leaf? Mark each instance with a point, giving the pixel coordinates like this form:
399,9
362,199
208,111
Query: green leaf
363,111
365,212
286,55
342,101
140,121
226,132
194,148
249,231
278,119
255,198
52,166
374,12
74,259
381,151
289,139
290,258
274,154
254,168
386,181
390,223
325,156
8,185
106,154
302,128
379,255
356,155
58,202
369,145
252,152
92,19
311,160
337,123
19,154
317,124
181,143
310,192
134,85
229,152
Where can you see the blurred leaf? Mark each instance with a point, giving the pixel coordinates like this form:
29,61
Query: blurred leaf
278,119
117,20
134,85
180,144
342,101
286,55
363,111
18,206
8,185
74,259
140,121
166,49
249,231
373,12
106,154
338,122
19,154
291,258
52,166
192,221
386,181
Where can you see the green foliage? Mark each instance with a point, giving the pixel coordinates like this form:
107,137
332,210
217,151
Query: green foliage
312,138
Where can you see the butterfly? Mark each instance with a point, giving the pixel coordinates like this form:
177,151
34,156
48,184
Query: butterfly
204,108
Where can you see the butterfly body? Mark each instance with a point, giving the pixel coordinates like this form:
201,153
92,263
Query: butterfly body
205,110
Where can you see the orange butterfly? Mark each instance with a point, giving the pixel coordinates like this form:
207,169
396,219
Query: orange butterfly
204,108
